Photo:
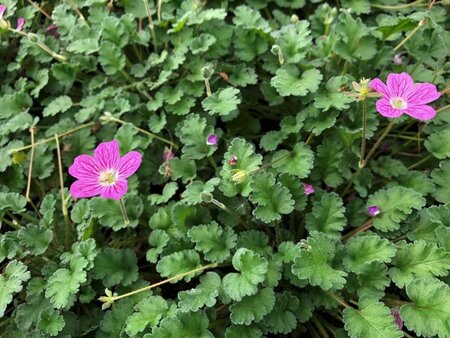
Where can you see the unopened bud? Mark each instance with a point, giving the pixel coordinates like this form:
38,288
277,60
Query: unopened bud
239,175
294,18
207,71
206,197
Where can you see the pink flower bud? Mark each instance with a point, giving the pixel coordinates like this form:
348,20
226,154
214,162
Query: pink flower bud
167,154
397,59
2,10
212,140
373,210
233,160
52,30
309,189
398,319
20,23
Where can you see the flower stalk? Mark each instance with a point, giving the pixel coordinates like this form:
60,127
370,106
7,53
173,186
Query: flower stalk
124,211
30,168
110,298
377,143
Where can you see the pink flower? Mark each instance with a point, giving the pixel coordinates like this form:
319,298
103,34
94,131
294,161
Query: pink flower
373,211
212,140
2,10
167,154
105,173
20,23
402,96
309,189
398,319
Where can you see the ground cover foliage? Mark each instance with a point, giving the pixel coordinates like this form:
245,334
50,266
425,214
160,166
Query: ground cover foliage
223,239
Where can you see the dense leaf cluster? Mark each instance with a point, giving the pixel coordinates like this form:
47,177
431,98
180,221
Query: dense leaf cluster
246,251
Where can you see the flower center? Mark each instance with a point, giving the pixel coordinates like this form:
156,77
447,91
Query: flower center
398,103
108,177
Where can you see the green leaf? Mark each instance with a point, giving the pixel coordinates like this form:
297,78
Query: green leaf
272,198
298,162
333,97
183,168
249,44
12,201
222,102
178,263
256,241
441,177
129,138
186,325
58,105
35,238
283,319
148,312
51,322
373,279
109,214
363,250
158,239
327,162
314,263
64,283
252,269
11,280
429,312
168,192
193,193
418,259
193,132
204,294
238,331
253,308
438,144
246,160
288,81
372,319
111,58
115,266
395,204
293,41
214,241
327,215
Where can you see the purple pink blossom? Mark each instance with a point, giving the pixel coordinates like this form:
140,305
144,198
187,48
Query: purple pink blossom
2,10
105,173
309,189
167,154
398,319
20,23
373,210
402,96
212,140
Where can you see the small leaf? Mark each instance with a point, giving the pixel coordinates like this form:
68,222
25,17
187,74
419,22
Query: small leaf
298,162
204,294
58,105
252,269
327,215
287,81
178,263
222,102
11,281
253,308
373,319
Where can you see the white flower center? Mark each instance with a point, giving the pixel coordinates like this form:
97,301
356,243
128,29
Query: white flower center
108,177
398,103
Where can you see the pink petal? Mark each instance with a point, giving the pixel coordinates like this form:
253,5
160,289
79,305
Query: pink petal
20,23
84,167
2,10
85,188
399,84
421,112
380,87
423,93
129,164
115,191
107,154
385,109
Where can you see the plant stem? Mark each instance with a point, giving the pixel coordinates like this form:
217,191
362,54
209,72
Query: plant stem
30,168
35,5
410,35
111,118
14,225
68,231
426,158
394,7
150,24
337,299
377,143
363,140
356,231
208,87
90,124
264,166
181,275
124,211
